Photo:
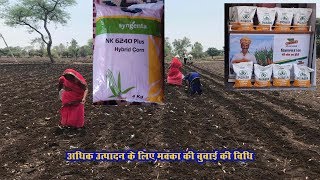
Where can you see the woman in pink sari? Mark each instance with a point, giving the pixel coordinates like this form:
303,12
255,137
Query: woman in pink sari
73,91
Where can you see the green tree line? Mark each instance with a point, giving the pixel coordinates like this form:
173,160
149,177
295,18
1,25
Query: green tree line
38,49
180,46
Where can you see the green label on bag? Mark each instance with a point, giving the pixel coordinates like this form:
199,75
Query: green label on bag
128,26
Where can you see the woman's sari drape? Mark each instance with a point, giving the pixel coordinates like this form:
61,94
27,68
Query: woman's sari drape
72,110
174,74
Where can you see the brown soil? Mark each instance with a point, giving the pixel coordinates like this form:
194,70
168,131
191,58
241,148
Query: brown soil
282,128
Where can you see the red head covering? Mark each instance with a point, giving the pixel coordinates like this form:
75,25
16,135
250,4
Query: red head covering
76,75
175,63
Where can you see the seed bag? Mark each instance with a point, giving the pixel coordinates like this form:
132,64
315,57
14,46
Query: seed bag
128,55
233,18
243,72
245,16
301,18
301,75
281,75
262,75
284,19
266,17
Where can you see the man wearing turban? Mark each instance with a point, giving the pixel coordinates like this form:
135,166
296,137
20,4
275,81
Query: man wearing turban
244,55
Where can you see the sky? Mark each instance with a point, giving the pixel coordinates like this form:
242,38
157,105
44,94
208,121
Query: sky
201,20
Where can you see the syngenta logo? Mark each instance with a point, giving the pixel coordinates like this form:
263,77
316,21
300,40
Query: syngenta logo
285,19
267,19
246,17
303,20
282,74
303,76
132,26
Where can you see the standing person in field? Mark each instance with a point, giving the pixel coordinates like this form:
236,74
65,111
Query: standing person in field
244,55
190,58
73,91
174,75
185,57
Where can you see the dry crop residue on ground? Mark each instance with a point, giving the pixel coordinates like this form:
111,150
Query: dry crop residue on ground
281,127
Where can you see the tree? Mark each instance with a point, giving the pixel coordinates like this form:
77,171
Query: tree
59,49
3,5
55,51
5,52
90,43
167,48
16,51
181,45
3,2
41,46
24,52
32,53
85,51
90,46
213,52
65,53
74,48
36,15
197,50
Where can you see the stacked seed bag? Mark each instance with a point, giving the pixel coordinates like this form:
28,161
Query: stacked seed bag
241,18
281,75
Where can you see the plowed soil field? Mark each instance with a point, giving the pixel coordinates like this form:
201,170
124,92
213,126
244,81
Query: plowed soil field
281,127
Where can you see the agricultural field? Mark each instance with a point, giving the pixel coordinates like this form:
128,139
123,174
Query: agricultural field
282,128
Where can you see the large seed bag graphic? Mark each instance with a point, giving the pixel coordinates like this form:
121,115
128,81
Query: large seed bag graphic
128,54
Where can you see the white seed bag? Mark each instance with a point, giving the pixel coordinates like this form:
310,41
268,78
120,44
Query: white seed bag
243,72
284,19
233,18
281,75
245,16
262,75
301,18
266,17
301,75
232,14
128,55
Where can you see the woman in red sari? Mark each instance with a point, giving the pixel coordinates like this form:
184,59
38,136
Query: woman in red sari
73,91
174,75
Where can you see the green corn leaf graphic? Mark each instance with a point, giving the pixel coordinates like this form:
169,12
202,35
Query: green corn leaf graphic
114,91
112,82
127,90
119,82
116,87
